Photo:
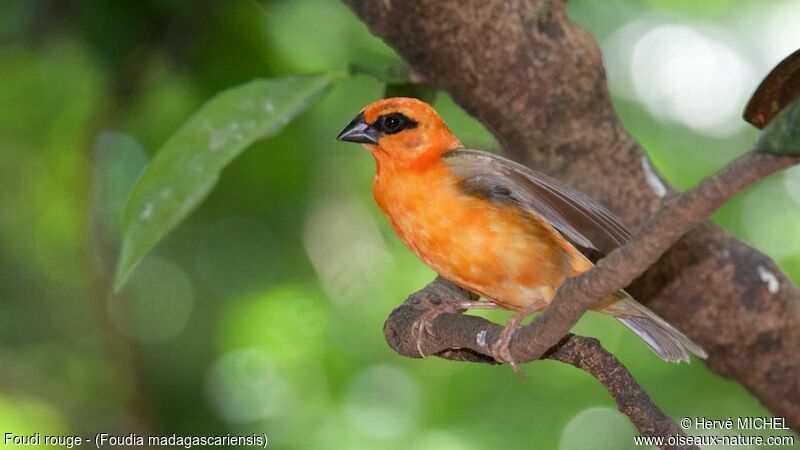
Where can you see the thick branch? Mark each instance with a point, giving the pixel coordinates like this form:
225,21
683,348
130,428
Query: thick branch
469,338
536,81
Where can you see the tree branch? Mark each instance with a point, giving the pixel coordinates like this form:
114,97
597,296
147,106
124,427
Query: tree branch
536,81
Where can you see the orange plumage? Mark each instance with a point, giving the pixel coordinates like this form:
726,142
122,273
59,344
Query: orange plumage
488,224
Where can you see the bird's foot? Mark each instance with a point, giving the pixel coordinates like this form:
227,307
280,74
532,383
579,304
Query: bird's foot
424,324
500,350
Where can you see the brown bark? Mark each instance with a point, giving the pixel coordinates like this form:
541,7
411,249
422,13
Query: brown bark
537,82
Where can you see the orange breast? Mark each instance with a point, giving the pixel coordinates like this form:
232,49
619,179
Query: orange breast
495,250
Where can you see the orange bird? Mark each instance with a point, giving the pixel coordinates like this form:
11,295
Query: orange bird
493,226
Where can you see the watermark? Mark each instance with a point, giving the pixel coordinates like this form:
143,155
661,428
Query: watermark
740,423
729,431
134,440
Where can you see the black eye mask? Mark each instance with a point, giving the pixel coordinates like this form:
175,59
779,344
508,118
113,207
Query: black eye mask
393,123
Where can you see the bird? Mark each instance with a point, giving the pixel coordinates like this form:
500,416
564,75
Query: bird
492,226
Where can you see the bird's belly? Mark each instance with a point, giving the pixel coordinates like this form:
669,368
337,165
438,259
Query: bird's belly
488,249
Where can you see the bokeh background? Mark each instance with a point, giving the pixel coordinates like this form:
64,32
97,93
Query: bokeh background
263,312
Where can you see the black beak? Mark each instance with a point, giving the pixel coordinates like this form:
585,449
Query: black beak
359,131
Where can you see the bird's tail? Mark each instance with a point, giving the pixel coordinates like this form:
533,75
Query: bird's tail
668,343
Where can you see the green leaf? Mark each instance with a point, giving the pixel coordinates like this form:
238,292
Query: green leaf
186,168
782,135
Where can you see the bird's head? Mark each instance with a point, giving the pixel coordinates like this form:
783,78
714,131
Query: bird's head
400,130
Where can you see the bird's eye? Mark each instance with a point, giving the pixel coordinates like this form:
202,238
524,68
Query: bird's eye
392,123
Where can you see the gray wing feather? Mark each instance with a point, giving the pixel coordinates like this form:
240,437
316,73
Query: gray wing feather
590,227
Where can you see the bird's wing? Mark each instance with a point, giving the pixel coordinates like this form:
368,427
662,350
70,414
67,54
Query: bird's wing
586,224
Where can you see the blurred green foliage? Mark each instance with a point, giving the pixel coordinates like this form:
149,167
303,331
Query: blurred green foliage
262,312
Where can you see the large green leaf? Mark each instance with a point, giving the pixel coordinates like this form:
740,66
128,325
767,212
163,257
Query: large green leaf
186,168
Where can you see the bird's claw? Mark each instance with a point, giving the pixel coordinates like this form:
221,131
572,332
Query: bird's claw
500,350
420,327
424,324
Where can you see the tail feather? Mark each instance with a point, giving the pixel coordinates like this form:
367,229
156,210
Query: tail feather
664,339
